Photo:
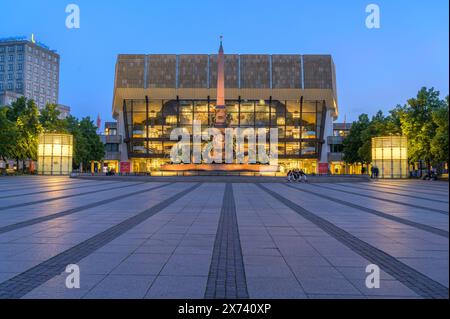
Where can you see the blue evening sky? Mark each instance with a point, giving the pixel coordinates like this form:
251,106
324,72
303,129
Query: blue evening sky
376,69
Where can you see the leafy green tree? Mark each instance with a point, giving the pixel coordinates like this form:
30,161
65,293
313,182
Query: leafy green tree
50,121
353,142
25,114
418,125
380,125
87,144
8,134
358,144
439,143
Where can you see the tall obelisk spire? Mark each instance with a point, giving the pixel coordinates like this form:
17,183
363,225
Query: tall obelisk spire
220,99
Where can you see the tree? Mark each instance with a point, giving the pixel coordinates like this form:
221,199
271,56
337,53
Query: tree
87,144
25,114
8,134
50,121
439,143
418,126
353,141
380,125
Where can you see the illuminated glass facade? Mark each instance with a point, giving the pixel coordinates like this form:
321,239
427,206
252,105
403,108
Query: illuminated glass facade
148,124
55,154
390,155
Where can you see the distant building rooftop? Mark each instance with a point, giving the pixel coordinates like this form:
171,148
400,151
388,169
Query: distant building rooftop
24,39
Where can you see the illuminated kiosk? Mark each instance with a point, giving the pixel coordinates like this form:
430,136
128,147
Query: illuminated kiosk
55,154
390,155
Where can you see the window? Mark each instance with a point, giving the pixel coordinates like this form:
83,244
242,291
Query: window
11,49
20,48
20,57
2,50
10,86
109,147
2,77
19,76
10,76
19,85
10,58
2,58
2,68
10,67
1,86
336,148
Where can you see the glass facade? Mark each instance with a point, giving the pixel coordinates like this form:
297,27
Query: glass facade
390,155
148,124
55,154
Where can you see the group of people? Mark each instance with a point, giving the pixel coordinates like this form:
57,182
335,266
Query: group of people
297,175
374,172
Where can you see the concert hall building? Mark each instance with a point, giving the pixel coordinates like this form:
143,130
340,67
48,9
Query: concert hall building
155,93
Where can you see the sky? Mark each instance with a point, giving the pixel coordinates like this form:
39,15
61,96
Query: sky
376,68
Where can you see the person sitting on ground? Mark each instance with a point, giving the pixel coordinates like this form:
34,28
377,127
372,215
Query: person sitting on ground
289,176
295,174
303,176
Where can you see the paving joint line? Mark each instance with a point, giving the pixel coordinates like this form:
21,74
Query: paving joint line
440,211
71,211
32,278
408,276
67,196
427,228
58,190
226,278
379,190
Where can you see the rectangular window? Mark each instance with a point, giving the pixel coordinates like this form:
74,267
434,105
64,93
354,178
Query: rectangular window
10,67
112,147
10,58
2,58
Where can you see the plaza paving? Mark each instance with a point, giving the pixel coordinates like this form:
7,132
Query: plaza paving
175,239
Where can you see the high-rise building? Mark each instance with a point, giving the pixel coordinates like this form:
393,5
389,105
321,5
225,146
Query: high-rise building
28,68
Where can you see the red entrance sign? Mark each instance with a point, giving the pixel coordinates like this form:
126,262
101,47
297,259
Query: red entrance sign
323,168
124,167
